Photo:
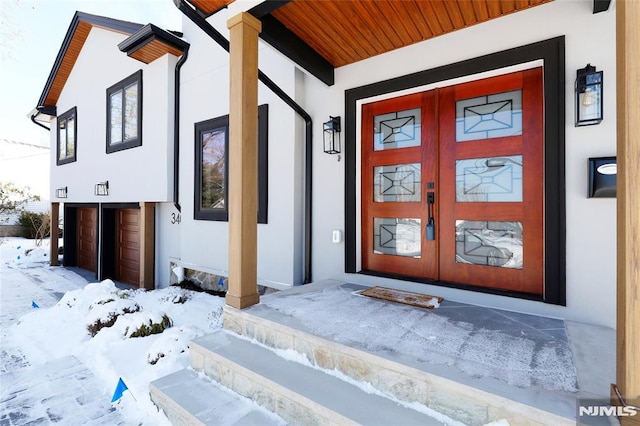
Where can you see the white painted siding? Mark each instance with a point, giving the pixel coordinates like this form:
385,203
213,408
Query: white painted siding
205,95
138,174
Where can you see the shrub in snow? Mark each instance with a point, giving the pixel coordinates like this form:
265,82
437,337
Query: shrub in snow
105,313
145,324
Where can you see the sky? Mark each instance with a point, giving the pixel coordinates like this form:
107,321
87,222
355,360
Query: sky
31,34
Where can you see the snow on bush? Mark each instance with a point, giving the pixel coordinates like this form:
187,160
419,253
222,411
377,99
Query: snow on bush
141,324
172,343
104,313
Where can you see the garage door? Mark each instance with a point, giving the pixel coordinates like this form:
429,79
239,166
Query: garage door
87,241
128,246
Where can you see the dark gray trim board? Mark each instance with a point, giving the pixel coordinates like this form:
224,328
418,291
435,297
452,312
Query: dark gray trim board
552,53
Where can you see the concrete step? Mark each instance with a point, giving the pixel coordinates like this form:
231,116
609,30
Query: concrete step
298,393
190,398
459,401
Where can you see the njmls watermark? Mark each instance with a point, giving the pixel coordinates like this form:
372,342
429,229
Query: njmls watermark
589,410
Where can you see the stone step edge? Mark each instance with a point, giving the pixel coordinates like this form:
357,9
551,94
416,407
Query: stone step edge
272,396
176,413
397,380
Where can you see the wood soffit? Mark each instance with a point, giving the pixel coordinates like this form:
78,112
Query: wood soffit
148,46
344,32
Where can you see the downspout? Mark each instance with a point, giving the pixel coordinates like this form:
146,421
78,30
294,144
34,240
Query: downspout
33,119
176,129
197,19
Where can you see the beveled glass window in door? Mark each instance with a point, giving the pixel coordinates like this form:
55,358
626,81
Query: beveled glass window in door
397,183
492,116
493,179
489,243
400,129
397,236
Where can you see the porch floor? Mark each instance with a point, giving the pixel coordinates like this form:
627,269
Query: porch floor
543,362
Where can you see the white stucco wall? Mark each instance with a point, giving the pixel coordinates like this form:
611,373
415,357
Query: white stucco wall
205,95
590,222
138,174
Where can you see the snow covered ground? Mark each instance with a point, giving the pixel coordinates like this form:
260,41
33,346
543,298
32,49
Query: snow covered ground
55,336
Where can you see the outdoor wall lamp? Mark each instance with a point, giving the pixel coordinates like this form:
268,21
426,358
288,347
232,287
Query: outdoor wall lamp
101,188
331,135
588,96
61,192
603,174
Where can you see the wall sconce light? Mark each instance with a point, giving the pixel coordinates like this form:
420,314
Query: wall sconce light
101,188
588,96
331,135
603,176
61,192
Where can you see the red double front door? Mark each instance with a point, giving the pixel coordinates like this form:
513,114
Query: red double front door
452,184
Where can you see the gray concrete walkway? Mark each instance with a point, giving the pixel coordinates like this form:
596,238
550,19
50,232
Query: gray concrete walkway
61,391
31,395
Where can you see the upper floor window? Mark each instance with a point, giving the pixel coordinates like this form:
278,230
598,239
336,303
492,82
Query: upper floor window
212,165
124,113
67,126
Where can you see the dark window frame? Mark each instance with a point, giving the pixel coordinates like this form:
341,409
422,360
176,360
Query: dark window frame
73,112
136,77
552,52
222,215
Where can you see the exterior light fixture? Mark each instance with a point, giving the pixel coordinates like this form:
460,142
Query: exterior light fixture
61,192
589,94
101,188
603,176
331,135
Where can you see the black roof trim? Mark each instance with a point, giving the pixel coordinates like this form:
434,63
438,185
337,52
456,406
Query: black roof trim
267,7
99,21
293,47
147,34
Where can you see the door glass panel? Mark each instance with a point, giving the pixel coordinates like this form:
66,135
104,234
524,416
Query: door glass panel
488,243
397,183
400,129
491,116
397,236
491,179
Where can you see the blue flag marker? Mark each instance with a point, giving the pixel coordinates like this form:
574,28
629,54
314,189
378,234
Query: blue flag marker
34,304
220,283
120,388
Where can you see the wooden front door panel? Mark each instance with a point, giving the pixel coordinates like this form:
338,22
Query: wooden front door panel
128,246
492,182
399,163
477,148
87,238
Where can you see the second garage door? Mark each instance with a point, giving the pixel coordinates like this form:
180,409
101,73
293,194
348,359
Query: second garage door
128,246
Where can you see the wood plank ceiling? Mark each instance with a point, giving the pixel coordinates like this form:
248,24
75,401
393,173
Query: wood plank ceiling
344,32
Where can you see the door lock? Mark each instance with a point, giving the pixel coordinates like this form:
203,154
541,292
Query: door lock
431,222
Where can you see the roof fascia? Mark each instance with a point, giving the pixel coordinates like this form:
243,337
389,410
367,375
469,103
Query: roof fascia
94,20
147,34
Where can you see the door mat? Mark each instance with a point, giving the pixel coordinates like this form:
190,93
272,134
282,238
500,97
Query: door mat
404,297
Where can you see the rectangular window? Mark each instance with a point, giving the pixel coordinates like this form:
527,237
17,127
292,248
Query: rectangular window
212,166
124,113
67,129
